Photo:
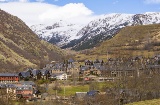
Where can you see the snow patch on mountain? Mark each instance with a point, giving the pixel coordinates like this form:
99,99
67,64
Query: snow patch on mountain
108,25
58,33
103,27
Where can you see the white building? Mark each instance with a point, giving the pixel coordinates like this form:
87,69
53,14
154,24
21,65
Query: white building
61,76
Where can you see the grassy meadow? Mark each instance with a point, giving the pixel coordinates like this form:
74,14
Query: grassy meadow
147,102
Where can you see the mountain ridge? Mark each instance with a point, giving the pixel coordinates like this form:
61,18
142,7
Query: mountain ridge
59,33
110,25
105,27
143,40
130,42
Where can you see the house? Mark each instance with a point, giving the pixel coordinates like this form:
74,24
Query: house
11,91
70,61
84,70
88,62
44,95
61,76
37,93
66,66
92,93
98,68
80,95
9,77
25,74
45,74
92,67
21,83
71,68
58,68
49,66
24,91
125,72
157,59
102,79
90,78
2,85
152,69
36,74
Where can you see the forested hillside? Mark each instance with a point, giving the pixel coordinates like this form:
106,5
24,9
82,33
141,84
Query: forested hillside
20,47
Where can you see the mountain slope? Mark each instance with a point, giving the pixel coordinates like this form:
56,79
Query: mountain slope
20,47
67,35
132,41
59,33
109,25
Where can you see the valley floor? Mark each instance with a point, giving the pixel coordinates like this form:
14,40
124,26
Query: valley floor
147,102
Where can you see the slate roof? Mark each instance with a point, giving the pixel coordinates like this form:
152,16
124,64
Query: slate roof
153,66
25,74
36,92
27,83
97,61
100,67
83,68
92,93
53,76
23,83
35,72
58,66
24,87
70,66
8,74
88,61
10,85
29,69
70,60
44,72
2,85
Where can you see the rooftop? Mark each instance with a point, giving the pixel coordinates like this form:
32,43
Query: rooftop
8,74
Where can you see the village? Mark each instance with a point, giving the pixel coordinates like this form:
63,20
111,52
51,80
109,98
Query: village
23,85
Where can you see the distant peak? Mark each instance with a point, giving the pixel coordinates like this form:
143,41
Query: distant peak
152,13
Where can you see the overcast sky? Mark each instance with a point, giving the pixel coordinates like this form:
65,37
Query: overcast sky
48,11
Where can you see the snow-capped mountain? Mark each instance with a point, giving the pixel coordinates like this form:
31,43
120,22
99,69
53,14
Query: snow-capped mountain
108,25
79,37
59,33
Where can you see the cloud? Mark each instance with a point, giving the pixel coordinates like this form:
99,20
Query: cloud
40,0
14,0
39,12
115,2
23,0
68,11
152,1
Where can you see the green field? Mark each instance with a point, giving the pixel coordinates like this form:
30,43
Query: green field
147,102
71,90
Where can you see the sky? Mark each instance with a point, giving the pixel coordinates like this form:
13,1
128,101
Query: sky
78,11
